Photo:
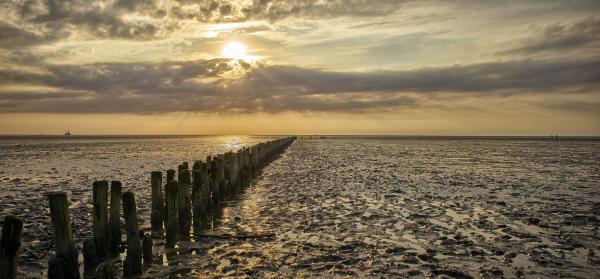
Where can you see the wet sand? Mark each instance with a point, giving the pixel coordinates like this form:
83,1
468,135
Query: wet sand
380,208
389,208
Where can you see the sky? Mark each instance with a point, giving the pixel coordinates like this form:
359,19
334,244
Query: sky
383,67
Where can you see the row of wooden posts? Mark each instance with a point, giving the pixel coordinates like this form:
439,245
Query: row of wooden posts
189,202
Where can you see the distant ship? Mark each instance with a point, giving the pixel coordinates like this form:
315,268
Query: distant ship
68,133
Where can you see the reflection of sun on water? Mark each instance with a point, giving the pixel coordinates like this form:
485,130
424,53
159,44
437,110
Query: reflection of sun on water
233,143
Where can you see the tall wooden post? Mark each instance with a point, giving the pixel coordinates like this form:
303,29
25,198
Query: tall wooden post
214,185
235,172
100,204
133,261
225,183
170,177
171,227
221,176
147,244
184,204
156,216
65,264
10,243
116,189
199,199
204,170
107,270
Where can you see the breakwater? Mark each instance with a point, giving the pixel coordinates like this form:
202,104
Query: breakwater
183,205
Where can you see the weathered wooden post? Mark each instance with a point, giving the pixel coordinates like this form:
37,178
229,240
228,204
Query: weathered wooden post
64,264
90,258
259,157
171,228
226,186
147,249
116,189
10,243
236,170
199,199
245,171
133,261
214,185
156,216
170,177
206,180
184,204
181,167
252,167
100,204
107,270
221,176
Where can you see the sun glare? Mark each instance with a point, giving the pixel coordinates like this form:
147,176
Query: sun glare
235,50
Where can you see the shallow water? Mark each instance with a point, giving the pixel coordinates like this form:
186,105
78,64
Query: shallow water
347,207
30,167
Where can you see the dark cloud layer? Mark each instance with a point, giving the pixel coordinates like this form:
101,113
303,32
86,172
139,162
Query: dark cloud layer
560,37
148,19
108,19
203,86
13,37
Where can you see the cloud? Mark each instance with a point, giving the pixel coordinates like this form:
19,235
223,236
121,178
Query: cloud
102,19
559,37
147,19
12,36
512,76
206,86
277,9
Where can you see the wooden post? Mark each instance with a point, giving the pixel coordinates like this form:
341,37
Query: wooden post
66,254
179,169
107,270
225,183
206,189
116,189
133,261
10,243
170,175
184,204
90,258
171,228
101,235
199,199
156,216
245,170
253,157
147,249
221,176
233,172
56,267
214,185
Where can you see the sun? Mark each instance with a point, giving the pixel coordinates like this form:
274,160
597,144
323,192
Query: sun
235,50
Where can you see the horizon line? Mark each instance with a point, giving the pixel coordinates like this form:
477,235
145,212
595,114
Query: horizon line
300,135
